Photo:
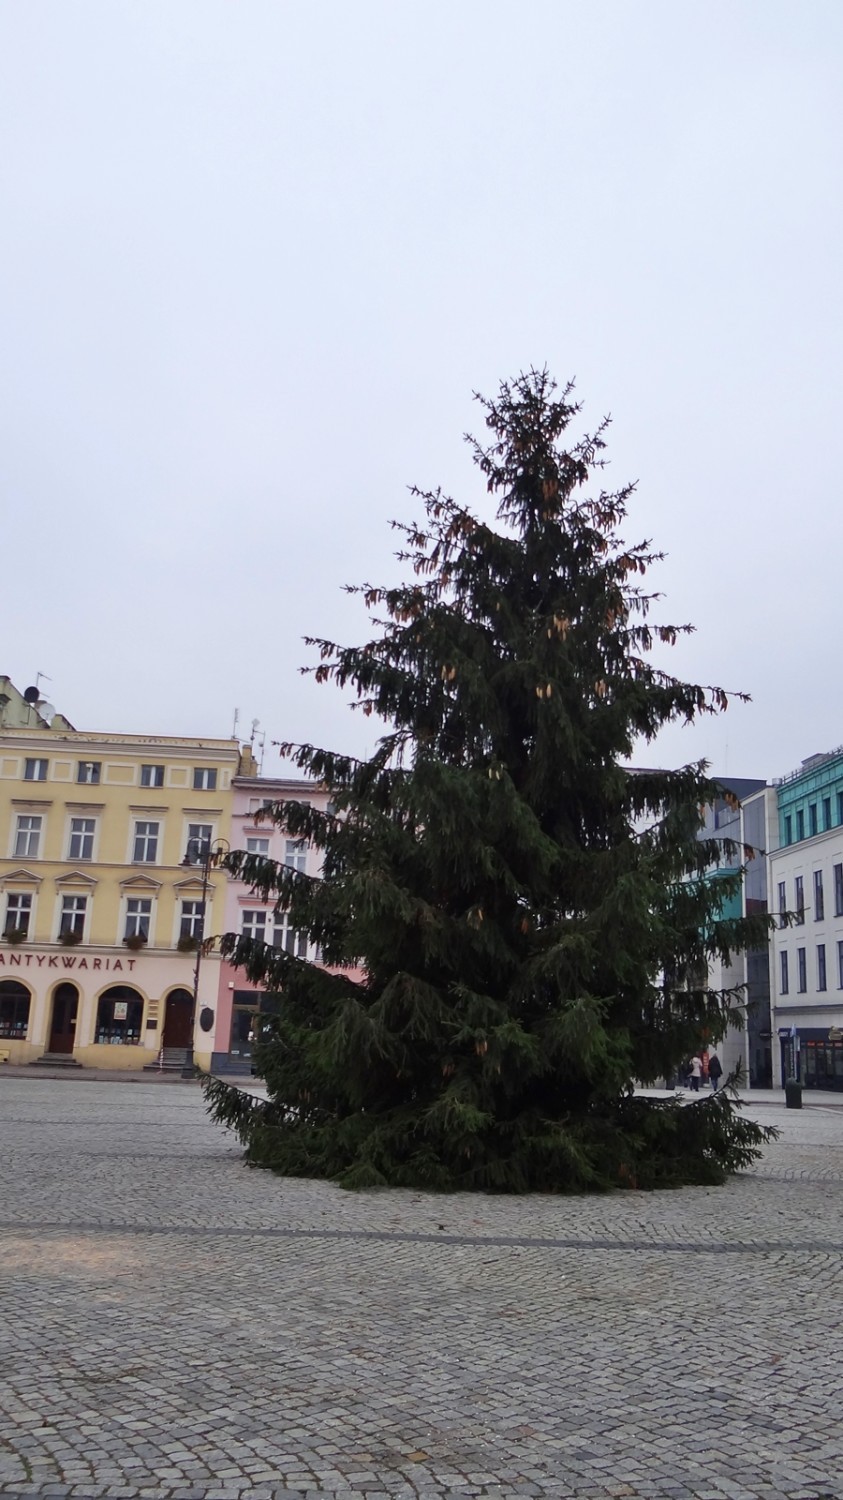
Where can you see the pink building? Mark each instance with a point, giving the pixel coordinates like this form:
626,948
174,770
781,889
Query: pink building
240,1000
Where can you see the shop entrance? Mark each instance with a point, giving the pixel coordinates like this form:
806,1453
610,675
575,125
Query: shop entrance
177,1016
63,1026
823,1064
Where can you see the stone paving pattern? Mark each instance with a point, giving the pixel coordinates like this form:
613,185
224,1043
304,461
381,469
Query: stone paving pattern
175,1326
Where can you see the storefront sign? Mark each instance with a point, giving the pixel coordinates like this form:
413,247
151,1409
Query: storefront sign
62,961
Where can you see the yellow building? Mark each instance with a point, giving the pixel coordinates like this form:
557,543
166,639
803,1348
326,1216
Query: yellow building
102,857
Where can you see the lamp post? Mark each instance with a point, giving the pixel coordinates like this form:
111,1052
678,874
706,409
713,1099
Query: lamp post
205,854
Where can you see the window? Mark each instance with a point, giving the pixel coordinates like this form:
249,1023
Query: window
82,838
89,772
783,986
35,770
152,776
192,920
800,825
839,808
199,837
119,1016
821,974
819,898
14,1010
802,971
138,916
782,904
288,938
838,890
826,813
27,836
146,843
812,819
73,909
295,854
840,965
258,846
788,829
204,779
800,901
18,913
254,925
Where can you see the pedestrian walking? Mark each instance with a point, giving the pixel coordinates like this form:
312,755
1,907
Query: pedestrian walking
715,1071
696,1072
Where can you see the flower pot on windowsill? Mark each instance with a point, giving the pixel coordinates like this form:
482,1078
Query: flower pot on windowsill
15,935
187,944
70,939
135,942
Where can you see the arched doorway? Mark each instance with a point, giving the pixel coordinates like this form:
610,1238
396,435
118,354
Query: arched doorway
63,1023
177,1019
119,1017
14,1010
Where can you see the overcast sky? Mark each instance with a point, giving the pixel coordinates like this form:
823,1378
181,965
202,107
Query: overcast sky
255,258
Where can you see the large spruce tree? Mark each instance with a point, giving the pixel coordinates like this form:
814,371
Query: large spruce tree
533,919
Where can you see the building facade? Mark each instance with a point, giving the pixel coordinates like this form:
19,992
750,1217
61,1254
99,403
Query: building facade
747,819
806,885
101,885
240,1003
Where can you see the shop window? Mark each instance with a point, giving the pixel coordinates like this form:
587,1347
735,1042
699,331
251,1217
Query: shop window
14,1010
119,1017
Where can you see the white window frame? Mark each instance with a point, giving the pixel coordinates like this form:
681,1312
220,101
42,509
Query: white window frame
138,918
88,772
156,779
39,766
253,923
22,911
192,923
255,839
199,839
137,836
70,907
86,834
29,834
204,778
291,939
295,854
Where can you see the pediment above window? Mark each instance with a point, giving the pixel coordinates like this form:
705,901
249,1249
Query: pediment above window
21,877
76,877
140,883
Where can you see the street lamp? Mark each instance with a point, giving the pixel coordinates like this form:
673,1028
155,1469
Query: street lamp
200,852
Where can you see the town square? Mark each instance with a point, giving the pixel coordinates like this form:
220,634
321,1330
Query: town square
177,1326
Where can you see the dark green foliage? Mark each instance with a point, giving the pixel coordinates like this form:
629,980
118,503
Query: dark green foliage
532,918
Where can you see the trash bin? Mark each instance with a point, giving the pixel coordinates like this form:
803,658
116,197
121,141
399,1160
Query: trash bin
793,1094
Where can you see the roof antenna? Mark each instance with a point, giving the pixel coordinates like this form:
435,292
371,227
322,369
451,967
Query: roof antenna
236,722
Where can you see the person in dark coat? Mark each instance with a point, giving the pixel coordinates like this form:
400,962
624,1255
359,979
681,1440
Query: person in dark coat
715,1071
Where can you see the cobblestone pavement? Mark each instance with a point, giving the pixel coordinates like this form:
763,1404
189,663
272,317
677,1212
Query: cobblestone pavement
175,1325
